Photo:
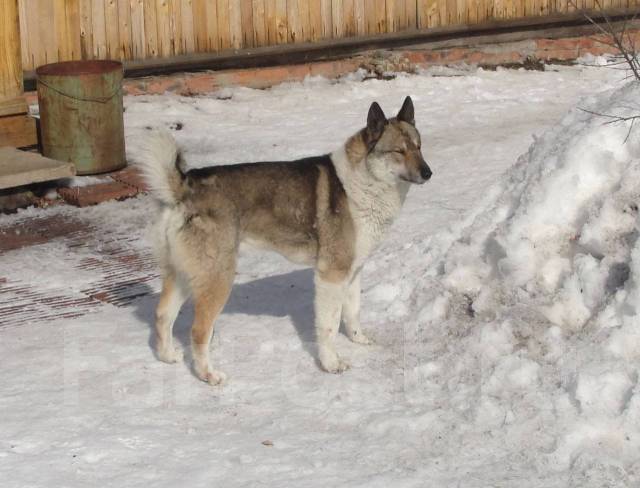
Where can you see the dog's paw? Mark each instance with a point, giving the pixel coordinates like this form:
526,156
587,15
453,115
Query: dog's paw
360,338
170,355
340,367
212,376
335,365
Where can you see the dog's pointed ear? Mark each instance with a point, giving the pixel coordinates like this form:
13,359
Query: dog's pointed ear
406,113
376,121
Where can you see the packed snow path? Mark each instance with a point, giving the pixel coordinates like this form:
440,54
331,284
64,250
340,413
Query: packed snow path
83,402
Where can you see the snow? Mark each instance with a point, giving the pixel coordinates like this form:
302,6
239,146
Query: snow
504,304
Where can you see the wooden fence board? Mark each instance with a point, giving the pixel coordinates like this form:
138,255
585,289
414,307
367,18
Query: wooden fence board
188,38
359,13
138,30
259,23
348,18
10,57
235,23
124,29
55,30
247,31
337,19
282,25
327,19
224,28
211,8
271,27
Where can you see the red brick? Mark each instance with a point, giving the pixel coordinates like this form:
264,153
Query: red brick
131,176
200,83
93,194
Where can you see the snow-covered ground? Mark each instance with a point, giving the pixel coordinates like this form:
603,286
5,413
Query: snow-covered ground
504,304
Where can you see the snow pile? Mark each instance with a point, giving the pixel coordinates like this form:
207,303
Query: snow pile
539,294
562,234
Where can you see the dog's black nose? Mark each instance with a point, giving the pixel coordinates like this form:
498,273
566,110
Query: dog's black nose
425,172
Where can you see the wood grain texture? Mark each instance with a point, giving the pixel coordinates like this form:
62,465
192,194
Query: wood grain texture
10,57
18,131
57,30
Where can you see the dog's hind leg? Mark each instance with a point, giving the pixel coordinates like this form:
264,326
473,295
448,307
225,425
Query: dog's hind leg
172,298
328,306
351,312
209,299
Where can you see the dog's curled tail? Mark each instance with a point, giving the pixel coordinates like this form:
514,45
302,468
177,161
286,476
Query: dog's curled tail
159,158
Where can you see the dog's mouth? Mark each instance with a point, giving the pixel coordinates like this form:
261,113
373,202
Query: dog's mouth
416,181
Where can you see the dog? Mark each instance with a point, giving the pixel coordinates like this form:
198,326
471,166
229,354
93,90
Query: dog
329,212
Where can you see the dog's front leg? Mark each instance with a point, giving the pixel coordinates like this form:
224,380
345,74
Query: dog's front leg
351,312
328,306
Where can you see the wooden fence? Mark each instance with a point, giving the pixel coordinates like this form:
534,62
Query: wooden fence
53,30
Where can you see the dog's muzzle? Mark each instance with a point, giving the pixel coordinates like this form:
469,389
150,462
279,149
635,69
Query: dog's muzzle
423,176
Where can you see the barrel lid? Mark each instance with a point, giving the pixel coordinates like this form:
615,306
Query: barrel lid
74,68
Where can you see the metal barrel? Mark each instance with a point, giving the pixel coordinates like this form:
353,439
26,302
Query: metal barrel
81,117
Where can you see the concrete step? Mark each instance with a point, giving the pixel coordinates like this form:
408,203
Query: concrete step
19,168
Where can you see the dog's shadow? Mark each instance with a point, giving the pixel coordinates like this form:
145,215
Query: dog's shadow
289,294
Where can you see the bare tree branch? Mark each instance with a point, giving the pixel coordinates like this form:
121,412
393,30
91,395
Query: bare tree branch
618,38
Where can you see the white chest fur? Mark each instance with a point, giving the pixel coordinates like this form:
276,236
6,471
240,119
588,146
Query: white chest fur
373,204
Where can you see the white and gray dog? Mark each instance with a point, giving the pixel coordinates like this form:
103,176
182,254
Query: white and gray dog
327,211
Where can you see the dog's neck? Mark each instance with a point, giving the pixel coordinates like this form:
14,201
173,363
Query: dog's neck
367,193
374,204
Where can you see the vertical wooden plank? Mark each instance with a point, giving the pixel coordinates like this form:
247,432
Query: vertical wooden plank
348,18
412,14
124,29
86,34
41,16
72,14
380,16
98,30
337,19
260,36
360,17
199,15
315,20
60,46
26,35
175,23
111,22
235,23
10,55
327,19
400,16
390,14
211,8
224,32
472,11
187,34
163,27
150,28
422,14
248,32
138,40
304,11
482,11
452,12
293,21
270,25
282,26
443,12
461,12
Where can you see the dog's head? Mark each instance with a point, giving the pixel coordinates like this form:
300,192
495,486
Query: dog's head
393,146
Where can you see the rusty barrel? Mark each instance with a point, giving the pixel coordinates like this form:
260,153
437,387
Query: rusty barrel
81,114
